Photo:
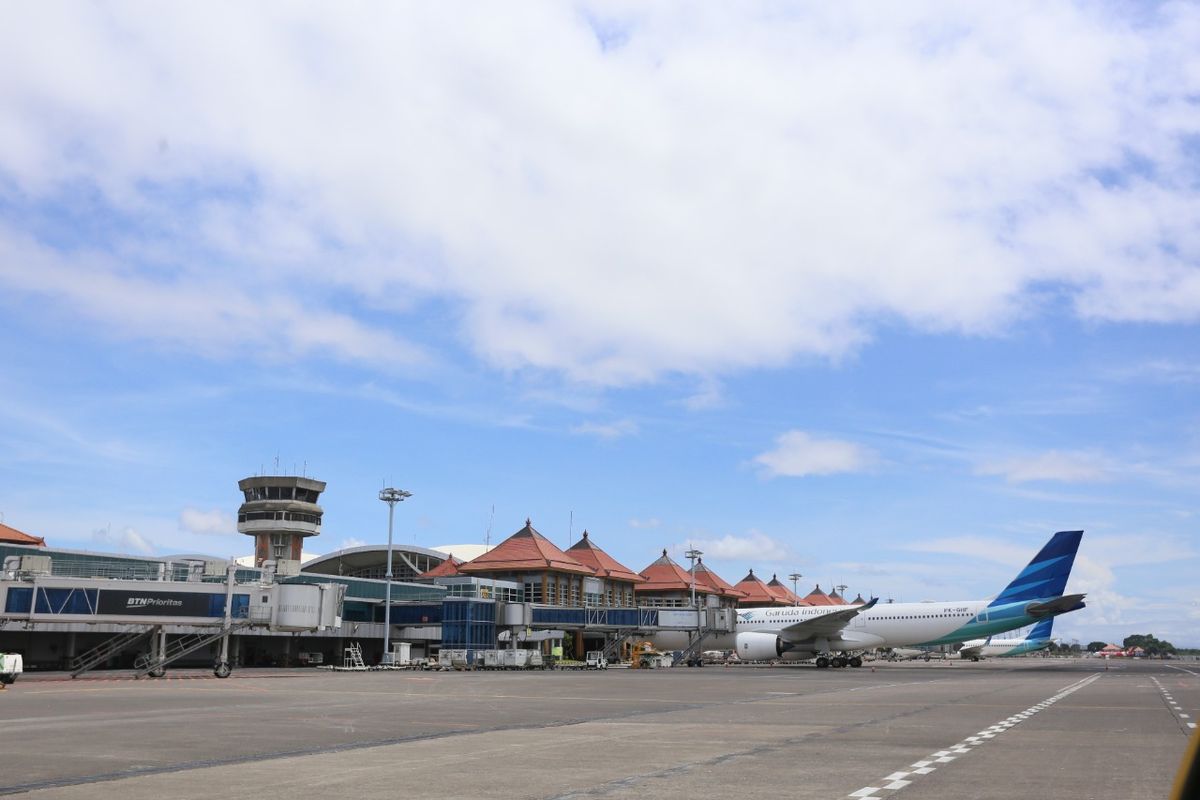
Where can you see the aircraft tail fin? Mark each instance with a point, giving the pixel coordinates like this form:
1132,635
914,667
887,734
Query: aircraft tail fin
1042,629
1046,575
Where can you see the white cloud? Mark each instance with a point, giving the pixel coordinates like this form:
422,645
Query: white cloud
976,547
125,540
753,546
723,190
798,454
609,430
1053,465
352,541
214,521
651,522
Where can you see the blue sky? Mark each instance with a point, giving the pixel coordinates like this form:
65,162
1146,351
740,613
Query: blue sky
882,296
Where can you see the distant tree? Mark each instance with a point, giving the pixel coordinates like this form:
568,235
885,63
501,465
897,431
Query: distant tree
1148,642
1095,647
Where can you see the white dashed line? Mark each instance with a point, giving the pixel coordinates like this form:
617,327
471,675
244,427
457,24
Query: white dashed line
1172,705
901,778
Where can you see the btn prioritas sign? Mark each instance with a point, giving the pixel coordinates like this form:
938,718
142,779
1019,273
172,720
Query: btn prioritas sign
142,603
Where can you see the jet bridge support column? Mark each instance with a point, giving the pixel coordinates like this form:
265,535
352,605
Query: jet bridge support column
222,669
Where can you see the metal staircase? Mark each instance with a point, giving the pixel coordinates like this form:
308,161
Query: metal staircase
353,658
692,649
185,645
612,648
107,649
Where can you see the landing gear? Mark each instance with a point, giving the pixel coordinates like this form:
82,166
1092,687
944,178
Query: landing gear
822,662
222,669
838,661
856,661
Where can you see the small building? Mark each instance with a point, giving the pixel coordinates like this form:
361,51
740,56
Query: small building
665,583
779,588
614,582
757,594
726,595
547,574
818,598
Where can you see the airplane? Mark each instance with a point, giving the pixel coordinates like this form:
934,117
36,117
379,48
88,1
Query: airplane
800,633
1038,639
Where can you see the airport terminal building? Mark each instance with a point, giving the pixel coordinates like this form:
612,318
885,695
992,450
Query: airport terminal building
60,607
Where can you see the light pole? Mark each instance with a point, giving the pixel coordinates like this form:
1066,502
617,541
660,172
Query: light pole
795,577
841,589
391,497
692,555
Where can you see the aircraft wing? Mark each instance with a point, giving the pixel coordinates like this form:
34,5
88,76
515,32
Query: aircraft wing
973,648
826,625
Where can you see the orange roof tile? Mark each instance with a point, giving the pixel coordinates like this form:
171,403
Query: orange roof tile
10,535
757,592
818,598
664,575
777,586
587,553
858,600
525,551
718,585
446,569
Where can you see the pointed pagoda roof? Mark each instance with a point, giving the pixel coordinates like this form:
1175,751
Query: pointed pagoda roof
525,551
858,600
587,553
714,582
757,592
9,535
446,569
818,598
664,575
779,588
837,599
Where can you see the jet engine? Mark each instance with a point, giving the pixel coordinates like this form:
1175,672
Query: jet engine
760,646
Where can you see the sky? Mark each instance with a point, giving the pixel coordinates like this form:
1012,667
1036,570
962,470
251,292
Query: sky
883,295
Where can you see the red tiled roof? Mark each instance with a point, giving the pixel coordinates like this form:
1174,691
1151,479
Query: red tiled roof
587,553
718,585
446,569
525,551
818,598
10,535
777,586
757,592
664,575
837,599
858,600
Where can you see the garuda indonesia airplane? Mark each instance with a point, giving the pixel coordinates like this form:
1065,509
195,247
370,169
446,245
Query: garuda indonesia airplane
1038,639
835,637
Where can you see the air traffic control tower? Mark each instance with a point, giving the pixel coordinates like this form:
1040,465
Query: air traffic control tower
280,512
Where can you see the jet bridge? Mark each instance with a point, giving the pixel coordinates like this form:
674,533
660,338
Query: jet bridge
200,612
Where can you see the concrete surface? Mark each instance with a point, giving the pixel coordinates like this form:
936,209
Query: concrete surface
996,729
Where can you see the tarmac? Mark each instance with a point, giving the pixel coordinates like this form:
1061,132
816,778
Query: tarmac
1061,728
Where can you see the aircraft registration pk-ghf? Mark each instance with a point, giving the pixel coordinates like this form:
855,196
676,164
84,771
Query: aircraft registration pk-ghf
803,632
1038,639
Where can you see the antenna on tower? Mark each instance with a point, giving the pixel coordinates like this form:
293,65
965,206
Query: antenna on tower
571,528
487,537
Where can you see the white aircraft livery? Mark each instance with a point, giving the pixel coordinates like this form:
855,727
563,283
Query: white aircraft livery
1038,639
802,632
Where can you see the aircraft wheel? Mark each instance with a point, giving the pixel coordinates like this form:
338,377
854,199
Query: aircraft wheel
856,662
822,662
927,656
838,662
975,658
157,672
222,669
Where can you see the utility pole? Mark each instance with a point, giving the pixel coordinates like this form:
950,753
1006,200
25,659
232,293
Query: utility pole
391,497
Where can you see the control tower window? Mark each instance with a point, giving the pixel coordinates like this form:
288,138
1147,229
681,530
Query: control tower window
280,544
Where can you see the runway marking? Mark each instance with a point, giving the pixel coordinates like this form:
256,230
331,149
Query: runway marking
1171,704
900,779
